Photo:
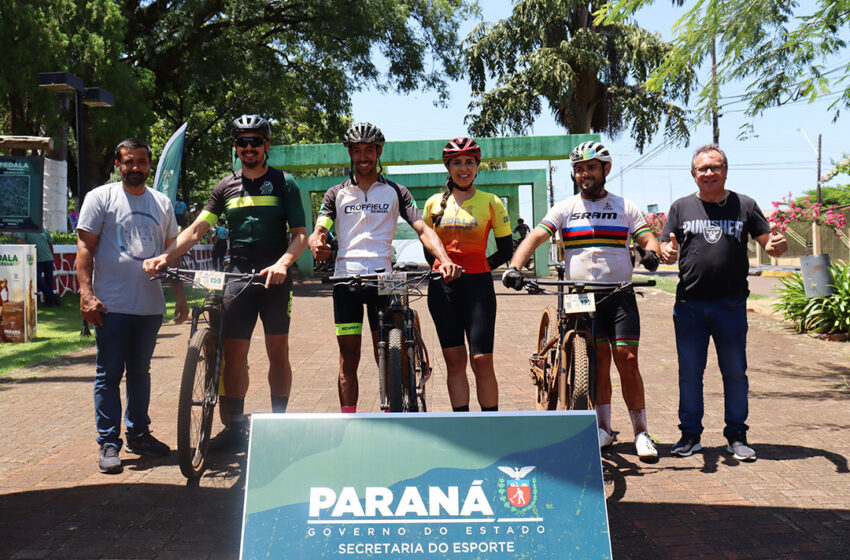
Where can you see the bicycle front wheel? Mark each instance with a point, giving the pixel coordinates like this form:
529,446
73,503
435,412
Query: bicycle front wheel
395,369
547,396
197,402
421,373
578,374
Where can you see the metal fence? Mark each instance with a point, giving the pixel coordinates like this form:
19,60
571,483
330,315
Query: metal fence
800,243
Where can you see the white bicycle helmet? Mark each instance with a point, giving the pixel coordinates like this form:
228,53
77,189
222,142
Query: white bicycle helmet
589,150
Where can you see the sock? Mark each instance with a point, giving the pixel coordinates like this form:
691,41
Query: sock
489,408
233,409
279,404
638,420
603,416
464,408
348,409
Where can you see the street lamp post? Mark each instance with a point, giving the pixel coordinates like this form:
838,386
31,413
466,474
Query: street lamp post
65,82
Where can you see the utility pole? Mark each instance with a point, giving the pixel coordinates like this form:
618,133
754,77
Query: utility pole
551,186
714,116
819,160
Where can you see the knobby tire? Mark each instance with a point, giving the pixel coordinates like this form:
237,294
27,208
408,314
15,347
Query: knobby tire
195,409
395,369
547,394
579,374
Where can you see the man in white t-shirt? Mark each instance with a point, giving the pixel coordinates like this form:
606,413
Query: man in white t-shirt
121,225
365,209
595,227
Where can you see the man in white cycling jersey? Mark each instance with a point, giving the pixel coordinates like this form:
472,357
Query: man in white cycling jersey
595,228
365,209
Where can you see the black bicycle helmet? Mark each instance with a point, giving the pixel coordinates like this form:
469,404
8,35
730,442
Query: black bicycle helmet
363,133
251,123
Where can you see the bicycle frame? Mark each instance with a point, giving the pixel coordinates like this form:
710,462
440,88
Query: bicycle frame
570,324
396,315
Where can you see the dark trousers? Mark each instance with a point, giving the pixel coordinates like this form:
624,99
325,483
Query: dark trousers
44,280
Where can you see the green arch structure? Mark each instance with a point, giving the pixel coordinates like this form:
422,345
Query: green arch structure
503,182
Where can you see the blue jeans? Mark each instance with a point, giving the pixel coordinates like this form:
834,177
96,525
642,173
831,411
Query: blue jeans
123,342
724,320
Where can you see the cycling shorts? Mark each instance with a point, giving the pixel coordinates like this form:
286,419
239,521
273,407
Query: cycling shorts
273,305
464,309
617,318
348,308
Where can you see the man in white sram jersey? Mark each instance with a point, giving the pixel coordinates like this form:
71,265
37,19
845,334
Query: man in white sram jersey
365,209
595,228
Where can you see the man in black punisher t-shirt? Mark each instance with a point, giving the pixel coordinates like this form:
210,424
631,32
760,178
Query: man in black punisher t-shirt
707,232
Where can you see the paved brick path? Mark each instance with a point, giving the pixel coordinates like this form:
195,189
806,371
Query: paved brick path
794,502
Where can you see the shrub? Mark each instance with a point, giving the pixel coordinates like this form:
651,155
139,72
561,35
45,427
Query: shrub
789,210
828,315
656,221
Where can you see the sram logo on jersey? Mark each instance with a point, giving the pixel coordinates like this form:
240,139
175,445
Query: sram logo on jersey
593,215
382,502
369,208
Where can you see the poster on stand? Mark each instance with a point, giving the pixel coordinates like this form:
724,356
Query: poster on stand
17,293
510,485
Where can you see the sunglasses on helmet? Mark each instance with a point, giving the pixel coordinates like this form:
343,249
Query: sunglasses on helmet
253,141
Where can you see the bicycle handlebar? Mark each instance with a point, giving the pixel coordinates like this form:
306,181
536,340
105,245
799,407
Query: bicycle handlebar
591,283
357,278
183,274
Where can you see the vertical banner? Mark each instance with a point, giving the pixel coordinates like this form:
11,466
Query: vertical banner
425,486
21,183
168,168
17,293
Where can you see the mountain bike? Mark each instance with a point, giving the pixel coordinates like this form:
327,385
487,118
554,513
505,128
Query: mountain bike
403,364
563,367
199,386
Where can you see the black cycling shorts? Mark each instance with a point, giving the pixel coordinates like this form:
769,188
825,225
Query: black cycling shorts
464,309
617,318
348,308
273,305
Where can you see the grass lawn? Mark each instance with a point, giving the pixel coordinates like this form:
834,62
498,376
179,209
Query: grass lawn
58,333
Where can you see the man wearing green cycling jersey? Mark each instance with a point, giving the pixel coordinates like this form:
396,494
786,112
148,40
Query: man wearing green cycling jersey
259,203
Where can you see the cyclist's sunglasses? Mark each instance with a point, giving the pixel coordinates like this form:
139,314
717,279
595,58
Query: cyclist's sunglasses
253,141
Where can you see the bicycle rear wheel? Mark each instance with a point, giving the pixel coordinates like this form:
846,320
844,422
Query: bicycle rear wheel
395,369
575,393
422,372
547,396
197,403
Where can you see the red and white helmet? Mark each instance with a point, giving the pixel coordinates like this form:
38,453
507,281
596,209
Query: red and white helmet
461,146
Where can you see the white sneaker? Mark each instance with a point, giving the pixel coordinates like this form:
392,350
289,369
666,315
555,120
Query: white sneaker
605,439
645,448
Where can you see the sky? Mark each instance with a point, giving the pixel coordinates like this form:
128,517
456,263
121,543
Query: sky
775,160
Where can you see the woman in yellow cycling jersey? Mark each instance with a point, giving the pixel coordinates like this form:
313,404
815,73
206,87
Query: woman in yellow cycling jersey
464,310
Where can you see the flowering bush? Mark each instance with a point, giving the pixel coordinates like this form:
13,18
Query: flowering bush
842,166
656,221
789,210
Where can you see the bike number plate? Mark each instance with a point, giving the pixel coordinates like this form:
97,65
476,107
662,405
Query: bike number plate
392,283
210,280
579,303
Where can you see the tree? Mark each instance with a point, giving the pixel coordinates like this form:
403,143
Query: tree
295,62
84,38
207,61
591,76
781,52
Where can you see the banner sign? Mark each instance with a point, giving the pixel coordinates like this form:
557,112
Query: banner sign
168,168
425,486
21,184
18,293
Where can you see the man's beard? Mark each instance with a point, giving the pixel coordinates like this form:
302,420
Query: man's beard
134,179
595,189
